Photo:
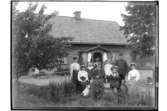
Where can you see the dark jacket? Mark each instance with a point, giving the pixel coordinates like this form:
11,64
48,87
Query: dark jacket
122,66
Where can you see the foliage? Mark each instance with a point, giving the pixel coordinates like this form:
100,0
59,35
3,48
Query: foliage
97,89
140,27
32,42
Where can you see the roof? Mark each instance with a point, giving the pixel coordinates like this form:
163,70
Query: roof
87,30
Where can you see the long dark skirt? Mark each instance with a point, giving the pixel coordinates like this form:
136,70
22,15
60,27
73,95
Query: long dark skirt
81,86
75,79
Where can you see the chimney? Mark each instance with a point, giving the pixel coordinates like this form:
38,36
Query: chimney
77,15
55,13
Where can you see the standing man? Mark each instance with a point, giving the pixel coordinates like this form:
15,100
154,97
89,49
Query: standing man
122,67
74,68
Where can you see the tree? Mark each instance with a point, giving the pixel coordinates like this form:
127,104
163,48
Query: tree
34,46
139,28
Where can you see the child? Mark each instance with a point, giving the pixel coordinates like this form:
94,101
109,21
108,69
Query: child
90,66
115,78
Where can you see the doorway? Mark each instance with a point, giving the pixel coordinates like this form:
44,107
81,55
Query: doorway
97,56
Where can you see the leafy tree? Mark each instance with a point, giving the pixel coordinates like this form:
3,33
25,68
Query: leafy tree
33,44
139,28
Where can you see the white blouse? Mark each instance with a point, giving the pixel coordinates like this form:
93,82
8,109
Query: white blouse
74,66
82,73
107,69
134,75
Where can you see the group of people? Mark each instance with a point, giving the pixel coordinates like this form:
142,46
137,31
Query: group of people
109,72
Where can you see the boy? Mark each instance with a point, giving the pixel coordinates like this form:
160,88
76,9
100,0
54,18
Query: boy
115,79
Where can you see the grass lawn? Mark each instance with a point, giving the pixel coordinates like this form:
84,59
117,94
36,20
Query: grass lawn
24,98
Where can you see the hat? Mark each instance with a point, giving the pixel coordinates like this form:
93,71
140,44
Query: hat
114,67
120,54
132,64
82,66
75,58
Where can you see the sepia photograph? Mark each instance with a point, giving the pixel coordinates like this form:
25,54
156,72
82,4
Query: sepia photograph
100,55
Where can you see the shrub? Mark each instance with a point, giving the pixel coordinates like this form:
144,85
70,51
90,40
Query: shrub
97,89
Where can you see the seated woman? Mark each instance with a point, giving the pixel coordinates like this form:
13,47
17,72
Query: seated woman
83,79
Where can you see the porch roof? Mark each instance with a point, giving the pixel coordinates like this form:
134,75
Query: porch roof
98,47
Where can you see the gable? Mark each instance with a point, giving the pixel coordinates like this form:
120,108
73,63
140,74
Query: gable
97,48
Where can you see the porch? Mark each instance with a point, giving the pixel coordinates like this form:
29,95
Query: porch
94,54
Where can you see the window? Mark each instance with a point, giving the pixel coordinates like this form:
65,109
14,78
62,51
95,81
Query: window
114,56
65,60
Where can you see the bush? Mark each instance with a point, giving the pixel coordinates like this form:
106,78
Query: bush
97,89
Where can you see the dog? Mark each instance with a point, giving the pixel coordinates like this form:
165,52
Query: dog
86,91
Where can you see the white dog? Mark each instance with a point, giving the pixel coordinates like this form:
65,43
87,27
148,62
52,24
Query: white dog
86,91
33,71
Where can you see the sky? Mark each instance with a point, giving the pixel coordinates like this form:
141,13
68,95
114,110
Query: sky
93,10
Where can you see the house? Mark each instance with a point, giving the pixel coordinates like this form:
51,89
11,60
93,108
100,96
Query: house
91,38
